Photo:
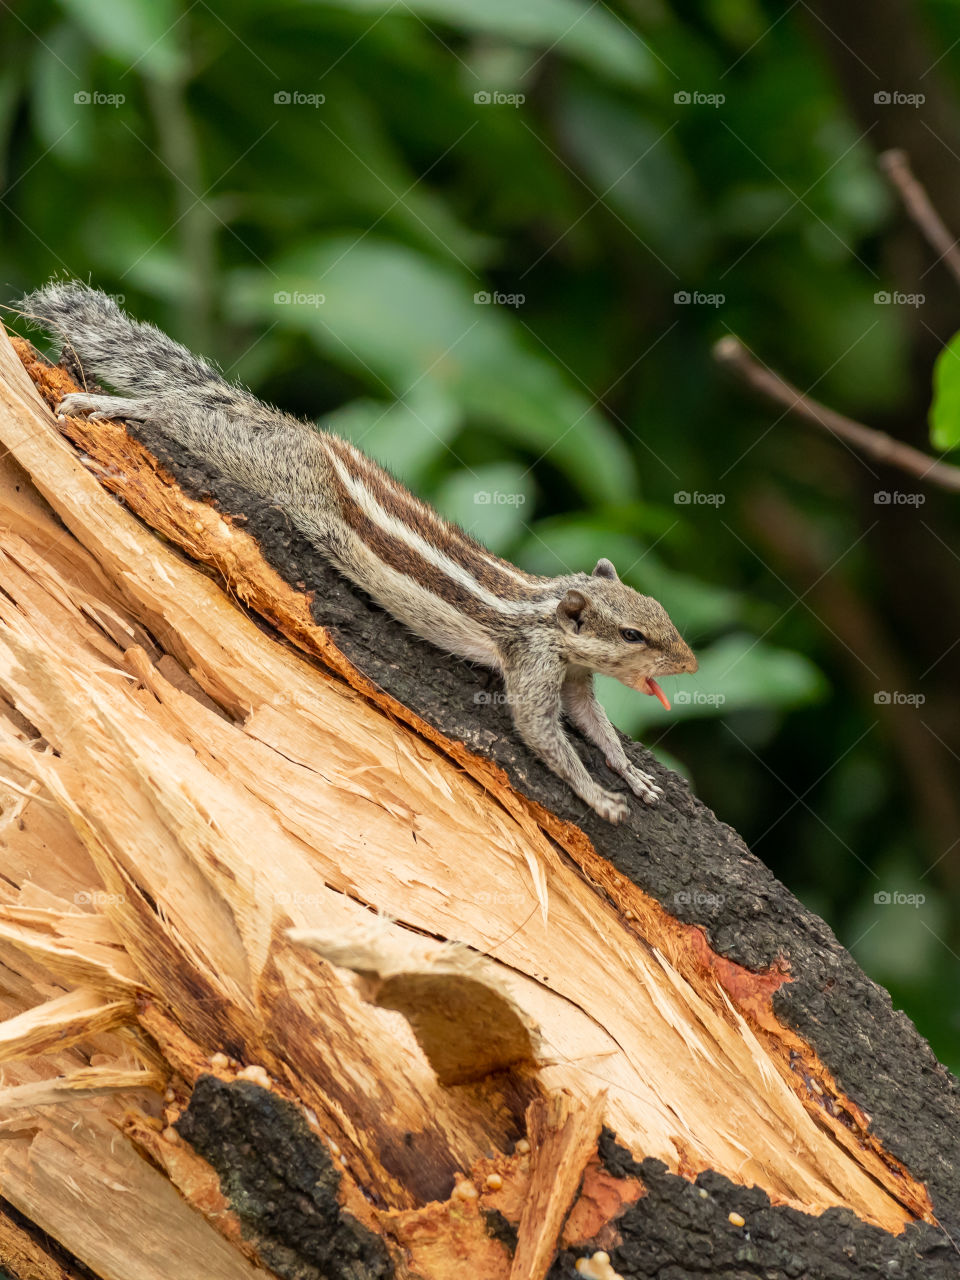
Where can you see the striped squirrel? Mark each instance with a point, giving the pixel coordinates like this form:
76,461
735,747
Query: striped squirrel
546,636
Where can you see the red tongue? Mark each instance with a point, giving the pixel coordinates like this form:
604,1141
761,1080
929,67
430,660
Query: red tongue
655,691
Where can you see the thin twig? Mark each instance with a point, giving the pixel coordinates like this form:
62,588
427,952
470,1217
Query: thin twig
731,353
896,165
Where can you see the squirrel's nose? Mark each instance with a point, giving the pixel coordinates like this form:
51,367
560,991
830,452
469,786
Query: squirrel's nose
690,663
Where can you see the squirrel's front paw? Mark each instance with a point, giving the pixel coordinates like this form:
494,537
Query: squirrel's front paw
609,805
641,784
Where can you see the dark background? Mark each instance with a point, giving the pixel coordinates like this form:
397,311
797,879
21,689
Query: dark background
587,168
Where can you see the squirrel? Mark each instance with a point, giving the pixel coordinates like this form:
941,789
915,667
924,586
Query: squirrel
546,636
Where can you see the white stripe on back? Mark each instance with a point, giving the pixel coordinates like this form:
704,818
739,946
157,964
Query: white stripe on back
397,529
495,562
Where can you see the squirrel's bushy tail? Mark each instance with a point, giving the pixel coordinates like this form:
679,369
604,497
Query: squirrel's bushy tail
131,356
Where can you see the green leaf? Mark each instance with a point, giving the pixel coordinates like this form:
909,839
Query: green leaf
406,438
912,916
128,242
65,124
489,502
590,33
361,161
637,164
742,22
140,33
737,673
945,410
400,319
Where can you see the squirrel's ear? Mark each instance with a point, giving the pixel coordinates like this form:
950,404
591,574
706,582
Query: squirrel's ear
605,569
569,610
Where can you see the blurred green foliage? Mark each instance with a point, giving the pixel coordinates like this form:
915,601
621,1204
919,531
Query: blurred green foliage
493,243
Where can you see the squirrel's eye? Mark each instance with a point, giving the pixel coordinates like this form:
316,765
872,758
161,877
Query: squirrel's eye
633,637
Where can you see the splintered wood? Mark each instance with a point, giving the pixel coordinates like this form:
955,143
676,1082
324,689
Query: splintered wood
463,1017
564,1137
180,791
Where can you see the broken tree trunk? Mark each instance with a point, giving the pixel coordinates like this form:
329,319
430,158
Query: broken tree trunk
310,969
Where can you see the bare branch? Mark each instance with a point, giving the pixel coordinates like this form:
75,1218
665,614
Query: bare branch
731,353
896,165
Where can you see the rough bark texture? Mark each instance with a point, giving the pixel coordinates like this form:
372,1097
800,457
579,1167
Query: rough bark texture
682,1229
281,1182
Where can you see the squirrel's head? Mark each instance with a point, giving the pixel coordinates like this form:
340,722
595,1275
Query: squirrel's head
609,628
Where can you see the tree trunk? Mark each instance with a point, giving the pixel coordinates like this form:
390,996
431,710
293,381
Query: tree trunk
310,969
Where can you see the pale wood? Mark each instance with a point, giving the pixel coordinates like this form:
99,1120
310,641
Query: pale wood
465,1020
564,1136
61,1022
82,1183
